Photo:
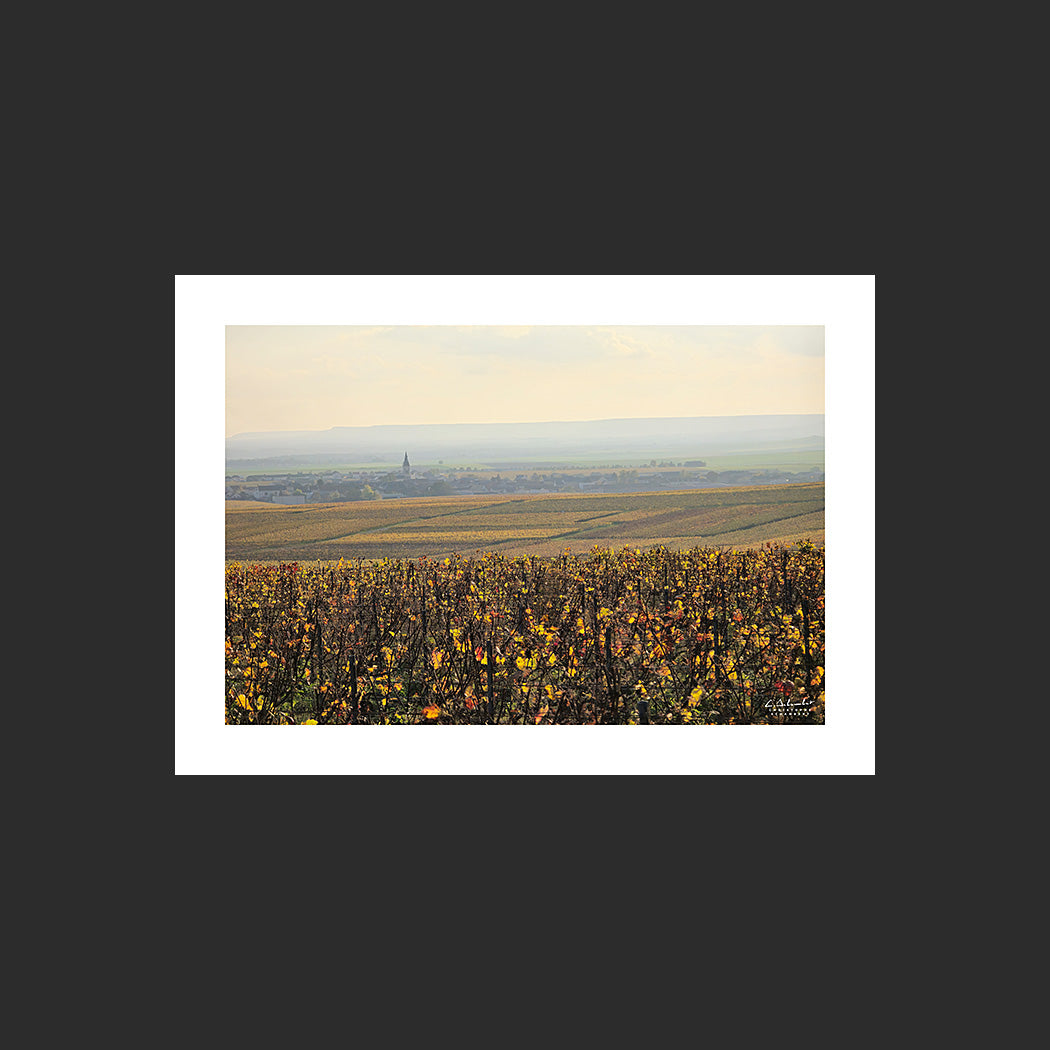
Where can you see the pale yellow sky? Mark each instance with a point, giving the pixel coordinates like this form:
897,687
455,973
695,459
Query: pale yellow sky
312,377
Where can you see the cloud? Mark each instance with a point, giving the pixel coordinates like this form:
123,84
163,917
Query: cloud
622,344
795,340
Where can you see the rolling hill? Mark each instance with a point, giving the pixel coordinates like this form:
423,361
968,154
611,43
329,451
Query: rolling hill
539,525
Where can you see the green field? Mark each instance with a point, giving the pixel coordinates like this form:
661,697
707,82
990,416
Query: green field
794,460
538,525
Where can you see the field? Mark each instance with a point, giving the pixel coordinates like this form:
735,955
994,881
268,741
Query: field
669,637
540,526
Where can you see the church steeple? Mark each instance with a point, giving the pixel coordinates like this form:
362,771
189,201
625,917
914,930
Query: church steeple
405,468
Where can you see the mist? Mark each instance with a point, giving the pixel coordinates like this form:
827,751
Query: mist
678,437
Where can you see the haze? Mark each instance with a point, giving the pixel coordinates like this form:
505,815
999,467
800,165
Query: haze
312,377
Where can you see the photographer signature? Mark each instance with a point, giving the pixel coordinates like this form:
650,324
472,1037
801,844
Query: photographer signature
781,702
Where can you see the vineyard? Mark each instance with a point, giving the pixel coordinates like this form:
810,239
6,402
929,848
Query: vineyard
538,526
656,636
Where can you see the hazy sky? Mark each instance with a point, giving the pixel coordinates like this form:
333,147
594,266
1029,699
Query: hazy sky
312,377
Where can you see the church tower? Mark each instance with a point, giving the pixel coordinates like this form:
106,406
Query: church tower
405,468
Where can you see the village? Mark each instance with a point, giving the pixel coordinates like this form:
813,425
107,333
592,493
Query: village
335,486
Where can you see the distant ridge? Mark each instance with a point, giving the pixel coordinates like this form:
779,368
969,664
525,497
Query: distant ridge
692,435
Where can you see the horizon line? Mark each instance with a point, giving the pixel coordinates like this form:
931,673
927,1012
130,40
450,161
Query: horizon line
522,422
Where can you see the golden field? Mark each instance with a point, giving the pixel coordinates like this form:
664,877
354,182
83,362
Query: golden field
538,525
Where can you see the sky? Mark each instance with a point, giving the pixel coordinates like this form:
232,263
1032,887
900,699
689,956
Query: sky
312,377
